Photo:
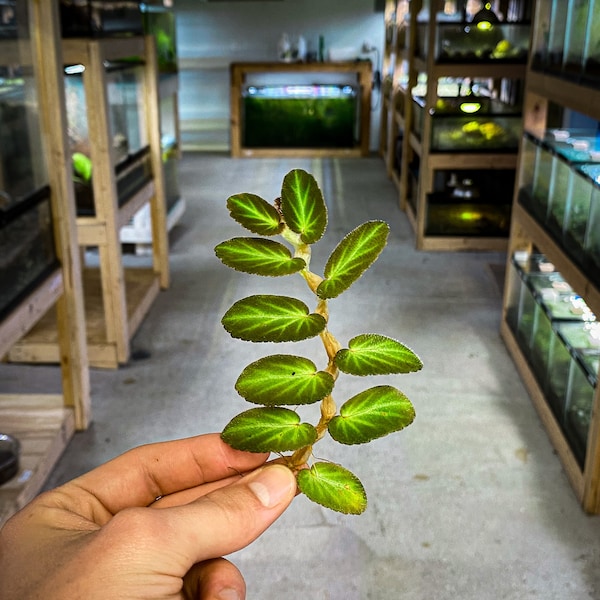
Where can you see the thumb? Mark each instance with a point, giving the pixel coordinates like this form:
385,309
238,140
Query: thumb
231,517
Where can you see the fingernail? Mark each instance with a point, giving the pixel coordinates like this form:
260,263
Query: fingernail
272,484
228,594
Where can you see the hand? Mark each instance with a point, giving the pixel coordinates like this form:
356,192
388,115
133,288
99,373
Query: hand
149,524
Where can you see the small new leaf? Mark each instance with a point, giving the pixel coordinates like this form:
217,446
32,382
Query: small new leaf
268,430
352,257
370,415
373,354
255,214
258,257
283,379
334,487
267,318
303,206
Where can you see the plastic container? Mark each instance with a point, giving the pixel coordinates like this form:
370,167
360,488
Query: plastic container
100,18
296,116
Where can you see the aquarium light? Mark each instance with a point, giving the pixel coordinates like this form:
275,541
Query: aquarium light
470,107
74,69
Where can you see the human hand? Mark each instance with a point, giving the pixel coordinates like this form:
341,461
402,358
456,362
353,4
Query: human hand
150,524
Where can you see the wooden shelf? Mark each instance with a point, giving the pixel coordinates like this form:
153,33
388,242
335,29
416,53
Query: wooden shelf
240,71
526,234
496,70
43,426
41,345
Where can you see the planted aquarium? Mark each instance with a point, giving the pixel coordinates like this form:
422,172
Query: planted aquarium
469,123
470,202
99,18
483,41
296,116
128,131
160,22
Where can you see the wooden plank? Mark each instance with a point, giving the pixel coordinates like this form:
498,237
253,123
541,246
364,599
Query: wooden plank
69,308
464,160
41,345
75,50
538,399
43,426
137,201
300,152
23,318
457,243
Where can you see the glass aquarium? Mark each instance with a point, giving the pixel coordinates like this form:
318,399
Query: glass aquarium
296,116
591,53
459,42
592,235
558,194
467,123
527,168
98,18
583,378
160,22
27,251
127,125
470,202
576,25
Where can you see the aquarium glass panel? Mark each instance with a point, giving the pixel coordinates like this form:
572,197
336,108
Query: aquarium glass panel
591,56
581,186
559,187
556,34
541,183
160,22
577,17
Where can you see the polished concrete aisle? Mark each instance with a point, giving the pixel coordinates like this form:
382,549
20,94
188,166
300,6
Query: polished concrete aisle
468,503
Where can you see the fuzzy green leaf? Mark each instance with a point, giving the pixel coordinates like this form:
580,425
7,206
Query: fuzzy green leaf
283,379
352,257
255,214
371,414
303,206
267,318
334,487
268,430
372,354
258,257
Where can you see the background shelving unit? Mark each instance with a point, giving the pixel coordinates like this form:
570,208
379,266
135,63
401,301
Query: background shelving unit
43,423
428,143
556,99
116,298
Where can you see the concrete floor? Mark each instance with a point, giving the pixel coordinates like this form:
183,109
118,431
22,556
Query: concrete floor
470,502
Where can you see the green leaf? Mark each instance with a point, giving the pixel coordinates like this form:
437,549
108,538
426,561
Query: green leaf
334,487
268,430
303,206
255,214
283,379
266,318
259,257
371,414
372,354
352,257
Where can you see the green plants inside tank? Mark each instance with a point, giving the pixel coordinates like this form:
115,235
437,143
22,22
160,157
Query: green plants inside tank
284,387
299,116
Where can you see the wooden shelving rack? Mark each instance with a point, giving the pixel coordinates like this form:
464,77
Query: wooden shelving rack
116,298
529,234
44,423
399,117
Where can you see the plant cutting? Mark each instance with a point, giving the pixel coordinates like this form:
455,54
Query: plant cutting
282,383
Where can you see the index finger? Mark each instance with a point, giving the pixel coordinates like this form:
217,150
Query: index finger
143,474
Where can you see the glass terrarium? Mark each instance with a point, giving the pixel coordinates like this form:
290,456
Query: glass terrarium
296,116
160,22
577,18
27,251
128,131
583,378
591,52
470,202
584,179
100,17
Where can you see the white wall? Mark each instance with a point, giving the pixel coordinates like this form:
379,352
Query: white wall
212,35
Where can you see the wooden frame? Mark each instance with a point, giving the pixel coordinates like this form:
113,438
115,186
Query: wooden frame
44,423
116,298
238,74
